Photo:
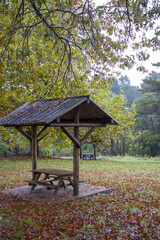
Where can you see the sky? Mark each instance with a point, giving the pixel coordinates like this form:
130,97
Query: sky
134,75
137,76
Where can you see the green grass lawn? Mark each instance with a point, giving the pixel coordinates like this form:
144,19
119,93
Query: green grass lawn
132,211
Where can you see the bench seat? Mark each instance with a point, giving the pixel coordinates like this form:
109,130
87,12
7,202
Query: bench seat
42,183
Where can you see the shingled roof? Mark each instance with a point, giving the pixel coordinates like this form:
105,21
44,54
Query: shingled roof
49,111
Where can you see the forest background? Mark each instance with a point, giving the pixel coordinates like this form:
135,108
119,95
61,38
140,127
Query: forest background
69,48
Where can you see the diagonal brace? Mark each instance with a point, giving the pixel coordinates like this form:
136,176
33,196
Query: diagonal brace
84,139
38,140
70,135
42,130
24,133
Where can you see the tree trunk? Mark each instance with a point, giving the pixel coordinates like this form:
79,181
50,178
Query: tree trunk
95,152
112,144
15,151
118,150
124,146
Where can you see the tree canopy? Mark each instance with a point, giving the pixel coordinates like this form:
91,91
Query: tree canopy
61,48
59,41
148,116
123,84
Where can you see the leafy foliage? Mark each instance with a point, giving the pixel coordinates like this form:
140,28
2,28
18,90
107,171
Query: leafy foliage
115,106
147,123
53,43
4,149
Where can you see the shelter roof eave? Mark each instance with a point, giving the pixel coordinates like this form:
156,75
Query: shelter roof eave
58,112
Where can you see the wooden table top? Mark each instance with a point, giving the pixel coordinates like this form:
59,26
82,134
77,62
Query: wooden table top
56,172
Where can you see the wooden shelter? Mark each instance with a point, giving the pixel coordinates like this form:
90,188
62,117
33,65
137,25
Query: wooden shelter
70,112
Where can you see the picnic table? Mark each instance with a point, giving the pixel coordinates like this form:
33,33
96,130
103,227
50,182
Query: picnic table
88,156
51,178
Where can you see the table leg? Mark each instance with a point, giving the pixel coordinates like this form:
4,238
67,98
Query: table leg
37,176
70,180
58,186
63,184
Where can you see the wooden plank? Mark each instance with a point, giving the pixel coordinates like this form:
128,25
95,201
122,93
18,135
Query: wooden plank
76,155
73,139
34,150
77,125
87,135
42,183
54,172
49,180
28,181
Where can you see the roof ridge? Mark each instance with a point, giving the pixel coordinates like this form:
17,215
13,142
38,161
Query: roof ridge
50,99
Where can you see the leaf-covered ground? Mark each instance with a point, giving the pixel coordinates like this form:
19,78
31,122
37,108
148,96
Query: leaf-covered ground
132,211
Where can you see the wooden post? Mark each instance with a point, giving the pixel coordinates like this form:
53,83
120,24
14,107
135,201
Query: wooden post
76,155
34,149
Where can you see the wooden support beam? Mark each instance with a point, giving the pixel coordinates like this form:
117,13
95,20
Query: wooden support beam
42,130
34,150
76,155
77,125
87,135
70,135
38,140
24,133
